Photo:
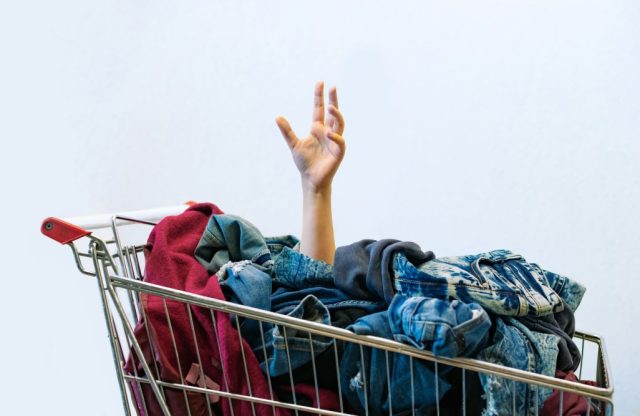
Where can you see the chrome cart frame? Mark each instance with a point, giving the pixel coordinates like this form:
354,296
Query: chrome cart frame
117,265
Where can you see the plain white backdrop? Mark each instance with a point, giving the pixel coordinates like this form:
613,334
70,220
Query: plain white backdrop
471,125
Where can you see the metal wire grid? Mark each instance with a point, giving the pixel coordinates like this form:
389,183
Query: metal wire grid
119,272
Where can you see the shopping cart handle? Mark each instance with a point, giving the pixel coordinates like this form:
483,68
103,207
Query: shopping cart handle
62,231
66,232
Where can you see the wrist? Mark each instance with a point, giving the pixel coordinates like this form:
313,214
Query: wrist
319,190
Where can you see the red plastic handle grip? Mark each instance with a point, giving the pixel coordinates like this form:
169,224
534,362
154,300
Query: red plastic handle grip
62,231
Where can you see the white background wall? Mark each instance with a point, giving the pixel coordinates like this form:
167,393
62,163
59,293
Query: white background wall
470,126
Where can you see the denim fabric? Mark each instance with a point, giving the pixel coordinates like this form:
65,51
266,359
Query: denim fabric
297,271
269,274
365,370
228,238
294,270
500,281
284,300
301,287
253,287
248,285
514,345
467,400
363,269
446,328
569,290
288,348
561,324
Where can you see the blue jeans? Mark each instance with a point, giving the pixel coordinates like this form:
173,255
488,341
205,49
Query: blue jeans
316,301
267,273
288,348
296,279
364,370
561,323
446,328
514,345
569,290
500,281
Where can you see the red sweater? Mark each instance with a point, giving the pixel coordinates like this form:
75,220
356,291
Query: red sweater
170,262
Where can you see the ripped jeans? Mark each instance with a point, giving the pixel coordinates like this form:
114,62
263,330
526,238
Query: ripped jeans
514,345
295,285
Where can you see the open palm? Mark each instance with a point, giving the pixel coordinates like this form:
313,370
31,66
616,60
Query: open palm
318,155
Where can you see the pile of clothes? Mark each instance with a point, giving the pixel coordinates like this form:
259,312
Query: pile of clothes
492,306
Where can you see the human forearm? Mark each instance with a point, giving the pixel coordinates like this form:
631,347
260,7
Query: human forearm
317,240
317,158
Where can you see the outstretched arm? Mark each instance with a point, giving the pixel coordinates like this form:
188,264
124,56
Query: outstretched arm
318,157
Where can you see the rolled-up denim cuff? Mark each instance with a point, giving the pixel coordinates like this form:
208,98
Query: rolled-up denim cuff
277,243
294,347
446,328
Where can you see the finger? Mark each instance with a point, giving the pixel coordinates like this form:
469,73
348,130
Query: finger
337,139
333,97
287,132
338,125
318,103
333,100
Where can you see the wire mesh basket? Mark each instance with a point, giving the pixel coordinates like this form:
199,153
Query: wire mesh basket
113,254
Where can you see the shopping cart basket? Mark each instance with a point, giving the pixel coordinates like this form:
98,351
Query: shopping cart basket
109,248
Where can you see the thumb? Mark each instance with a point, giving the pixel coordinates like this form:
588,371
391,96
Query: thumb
287,132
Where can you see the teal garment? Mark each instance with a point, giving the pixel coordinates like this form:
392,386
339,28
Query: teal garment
228,238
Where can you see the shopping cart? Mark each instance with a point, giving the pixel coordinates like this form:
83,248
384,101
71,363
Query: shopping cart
110,247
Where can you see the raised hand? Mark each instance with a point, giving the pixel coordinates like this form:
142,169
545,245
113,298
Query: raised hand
318,155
